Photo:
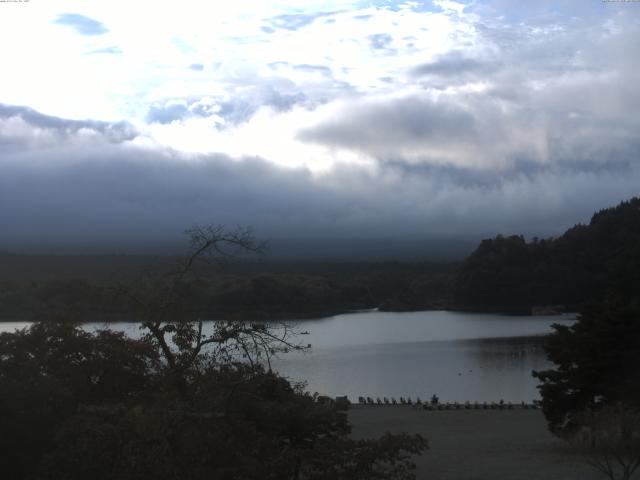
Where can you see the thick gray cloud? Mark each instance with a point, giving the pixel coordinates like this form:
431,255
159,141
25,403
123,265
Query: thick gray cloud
102,195
81,24
384,127
23,127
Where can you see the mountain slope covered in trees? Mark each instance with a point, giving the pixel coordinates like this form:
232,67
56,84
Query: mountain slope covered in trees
582,266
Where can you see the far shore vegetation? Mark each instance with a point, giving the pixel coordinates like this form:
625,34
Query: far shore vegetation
506,274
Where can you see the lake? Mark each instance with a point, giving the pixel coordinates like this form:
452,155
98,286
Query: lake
458,356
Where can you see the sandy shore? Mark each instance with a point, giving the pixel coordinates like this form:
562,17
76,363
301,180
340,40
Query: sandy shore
477,444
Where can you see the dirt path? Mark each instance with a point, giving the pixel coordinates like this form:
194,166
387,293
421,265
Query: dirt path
477,444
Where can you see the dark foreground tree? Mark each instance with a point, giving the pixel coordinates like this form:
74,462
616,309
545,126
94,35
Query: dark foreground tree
186,400
48,371
596,362
609,440
239,423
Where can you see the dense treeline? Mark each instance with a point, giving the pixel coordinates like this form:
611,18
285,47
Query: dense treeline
258,290
580,267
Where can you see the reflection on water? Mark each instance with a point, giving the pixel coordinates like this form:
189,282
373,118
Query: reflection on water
458,356
454,370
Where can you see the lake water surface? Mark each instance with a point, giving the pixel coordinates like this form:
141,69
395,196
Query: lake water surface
458,356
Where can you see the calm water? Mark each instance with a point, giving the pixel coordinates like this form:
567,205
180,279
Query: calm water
458,356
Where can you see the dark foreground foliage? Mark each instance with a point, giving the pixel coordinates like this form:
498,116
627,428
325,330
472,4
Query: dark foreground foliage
75,405
596,364
609,439
48,372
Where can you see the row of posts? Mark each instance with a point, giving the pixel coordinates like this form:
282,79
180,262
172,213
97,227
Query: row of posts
435,404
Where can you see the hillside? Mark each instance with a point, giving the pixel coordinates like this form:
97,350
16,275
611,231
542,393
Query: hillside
509,274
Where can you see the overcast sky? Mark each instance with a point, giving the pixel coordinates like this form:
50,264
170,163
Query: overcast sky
126,122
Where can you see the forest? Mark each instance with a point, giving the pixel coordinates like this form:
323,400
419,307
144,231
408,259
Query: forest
87,288
582,266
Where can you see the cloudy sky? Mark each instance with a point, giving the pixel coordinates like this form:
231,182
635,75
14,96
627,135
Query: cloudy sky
123,123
